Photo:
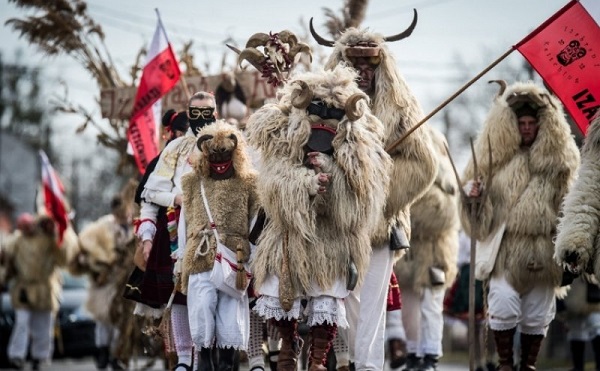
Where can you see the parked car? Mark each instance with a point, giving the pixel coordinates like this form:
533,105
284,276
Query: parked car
74,327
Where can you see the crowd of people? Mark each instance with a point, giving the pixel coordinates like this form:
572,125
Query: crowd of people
310,213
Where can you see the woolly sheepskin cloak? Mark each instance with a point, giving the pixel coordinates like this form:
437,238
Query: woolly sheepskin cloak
578,231
414,161
527,188
434,228
106,255
323,232
35,260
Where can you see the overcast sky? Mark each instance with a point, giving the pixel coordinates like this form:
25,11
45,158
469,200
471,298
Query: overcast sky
446,29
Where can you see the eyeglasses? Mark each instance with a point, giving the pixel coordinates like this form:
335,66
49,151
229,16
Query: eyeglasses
196,113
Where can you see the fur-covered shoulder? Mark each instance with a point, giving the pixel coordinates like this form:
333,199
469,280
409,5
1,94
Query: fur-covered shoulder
98,240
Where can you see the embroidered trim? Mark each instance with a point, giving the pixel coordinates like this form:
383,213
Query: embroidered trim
269,307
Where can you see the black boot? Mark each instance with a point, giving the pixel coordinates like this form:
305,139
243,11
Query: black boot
413,363
102,357
596,348
577,354
205,360
226,359
430,362
397,353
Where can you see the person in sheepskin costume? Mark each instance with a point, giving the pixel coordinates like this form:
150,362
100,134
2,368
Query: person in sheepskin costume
413,171
222,174
323,185
34,258
578,244
106,255
534,163
429,267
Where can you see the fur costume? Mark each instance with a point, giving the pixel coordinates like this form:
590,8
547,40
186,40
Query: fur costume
435,226
106,255
579,227
34,261
232,202
527,188
323,231
414,162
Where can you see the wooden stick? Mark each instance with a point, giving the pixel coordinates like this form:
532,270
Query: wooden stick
184,85
471,334
450,99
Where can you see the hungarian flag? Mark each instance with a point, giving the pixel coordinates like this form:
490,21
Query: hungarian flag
53,195
160,74
565,51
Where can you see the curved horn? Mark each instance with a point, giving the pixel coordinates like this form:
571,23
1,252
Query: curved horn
287,36
203,139
258,39
320,40
352,109
300,48
302,97
235,139
255,57
406,33
502,84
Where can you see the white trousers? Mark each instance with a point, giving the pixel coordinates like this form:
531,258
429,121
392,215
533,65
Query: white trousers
423,319
323,306
215,317
366,313
584,328
106,335
532,311
39,325
394,329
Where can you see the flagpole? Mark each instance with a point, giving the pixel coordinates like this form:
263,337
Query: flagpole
184,84
450,99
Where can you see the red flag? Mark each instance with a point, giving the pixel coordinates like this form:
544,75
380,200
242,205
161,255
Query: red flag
53,193
160,74
565,51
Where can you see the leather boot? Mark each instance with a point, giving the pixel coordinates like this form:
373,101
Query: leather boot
504,346
226,359
291,345
321,340
596,348
577,354
205,360
397,352
413,363
530,347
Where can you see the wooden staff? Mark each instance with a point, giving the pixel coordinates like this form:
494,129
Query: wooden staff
475,207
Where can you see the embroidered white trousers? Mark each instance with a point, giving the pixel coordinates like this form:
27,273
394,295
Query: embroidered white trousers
215,317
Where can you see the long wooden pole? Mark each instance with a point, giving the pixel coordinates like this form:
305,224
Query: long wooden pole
450,99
